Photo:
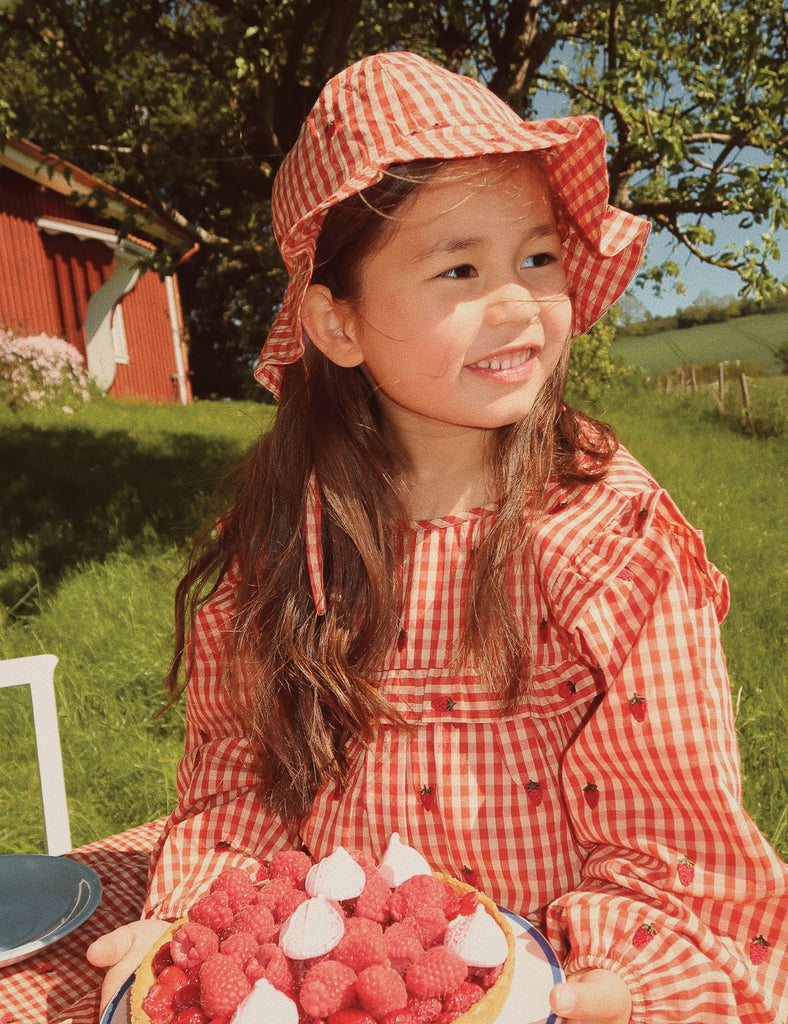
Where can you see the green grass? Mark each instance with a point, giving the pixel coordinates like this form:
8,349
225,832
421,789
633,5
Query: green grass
751,339
96,510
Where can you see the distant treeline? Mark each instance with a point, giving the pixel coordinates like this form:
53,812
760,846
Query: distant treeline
704,311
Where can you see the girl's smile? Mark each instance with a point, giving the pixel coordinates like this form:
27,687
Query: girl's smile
463,310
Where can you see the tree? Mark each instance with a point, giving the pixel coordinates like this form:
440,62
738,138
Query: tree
190,105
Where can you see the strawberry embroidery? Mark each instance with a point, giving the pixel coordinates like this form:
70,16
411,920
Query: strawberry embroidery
758,948
534,791
637,705
643,935
427,795
469,875
402,640
443,703
543,626
591,793
686,870
567,688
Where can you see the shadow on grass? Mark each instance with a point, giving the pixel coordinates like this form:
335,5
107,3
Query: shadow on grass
70,496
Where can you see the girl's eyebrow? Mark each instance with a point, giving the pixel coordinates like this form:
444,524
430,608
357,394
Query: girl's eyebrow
450,246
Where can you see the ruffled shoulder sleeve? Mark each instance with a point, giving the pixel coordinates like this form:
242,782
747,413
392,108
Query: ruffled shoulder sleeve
603,548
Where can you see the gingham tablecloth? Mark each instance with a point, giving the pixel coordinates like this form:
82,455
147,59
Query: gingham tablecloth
58,984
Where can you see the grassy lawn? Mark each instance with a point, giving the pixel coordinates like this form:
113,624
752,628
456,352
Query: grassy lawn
96,511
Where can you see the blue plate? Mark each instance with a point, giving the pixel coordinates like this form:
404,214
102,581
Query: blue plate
117,1009
41,900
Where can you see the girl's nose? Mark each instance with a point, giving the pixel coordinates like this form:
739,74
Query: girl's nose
512,305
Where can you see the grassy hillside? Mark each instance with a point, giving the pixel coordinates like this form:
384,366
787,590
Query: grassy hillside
752,339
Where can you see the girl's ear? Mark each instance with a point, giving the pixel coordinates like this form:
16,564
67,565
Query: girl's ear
324,321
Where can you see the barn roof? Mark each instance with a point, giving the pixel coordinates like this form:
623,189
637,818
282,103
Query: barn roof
68,180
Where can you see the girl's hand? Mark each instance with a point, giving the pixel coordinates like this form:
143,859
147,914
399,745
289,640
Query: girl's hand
122,951
593,997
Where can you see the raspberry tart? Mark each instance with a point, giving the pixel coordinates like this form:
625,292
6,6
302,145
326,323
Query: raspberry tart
340,941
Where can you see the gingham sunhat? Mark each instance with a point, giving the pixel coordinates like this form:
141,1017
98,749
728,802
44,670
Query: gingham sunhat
397,107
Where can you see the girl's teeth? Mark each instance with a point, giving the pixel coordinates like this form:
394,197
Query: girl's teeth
505,363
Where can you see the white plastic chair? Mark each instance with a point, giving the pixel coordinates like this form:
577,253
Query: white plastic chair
38,673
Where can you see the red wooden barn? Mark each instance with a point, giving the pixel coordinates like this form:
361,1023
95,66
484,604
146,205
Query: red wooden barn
66,269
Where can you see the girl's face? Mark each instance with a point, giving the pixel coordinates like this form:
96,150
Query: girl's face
463,312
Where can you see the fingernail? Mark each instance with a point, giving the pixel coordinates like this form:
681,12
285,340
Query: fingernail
563,999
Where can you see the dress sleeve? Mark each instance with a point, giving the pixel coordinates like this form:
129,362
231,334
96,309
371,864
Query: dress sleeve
680,895
219,821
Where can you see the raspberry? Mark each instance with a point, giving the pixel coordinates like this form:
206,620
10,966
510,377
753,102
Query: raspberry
327,987
241,946
380,990
292,864
415,895
287,903
364,859
239,888
463,998
158,1004
374,902
403,944
161,959
186,997
214,912
257,921
469,903
398,1017
275,966
222,986
362,945
193,944
350,1017
173,978
430,924
189,1015
486,978
424,1011
437,972
451,902
271,892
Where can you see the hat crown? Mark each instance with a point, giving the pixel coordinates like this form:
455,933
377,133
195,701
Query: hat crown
368,116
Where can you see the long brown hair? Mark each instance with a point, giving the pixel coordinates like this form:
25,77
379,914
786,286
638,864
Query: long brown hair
301,682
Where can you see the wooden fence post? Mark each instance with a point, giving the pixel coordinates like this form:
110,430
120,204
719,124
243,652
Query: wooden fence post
721,396
745,397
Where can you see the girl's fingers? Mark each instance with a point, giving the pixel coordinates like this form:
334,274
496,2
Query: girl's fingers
122,951
594,997
108,949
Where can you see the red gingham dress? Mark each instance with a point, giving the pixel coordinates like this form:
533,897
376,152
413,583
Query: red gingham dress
607,809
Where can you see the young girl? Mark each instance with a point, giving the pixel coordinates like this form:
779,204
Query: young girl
442,602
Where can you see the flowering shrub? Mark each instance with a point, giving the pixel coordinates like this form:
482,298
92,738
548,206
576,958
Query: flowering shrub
41,371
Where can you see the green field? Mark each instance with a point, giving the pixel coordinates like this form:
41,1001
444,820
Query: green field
96,510
752,339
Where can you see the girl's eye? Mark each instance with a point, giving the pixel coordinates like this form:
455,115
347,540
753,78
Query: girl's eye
460,273
540,259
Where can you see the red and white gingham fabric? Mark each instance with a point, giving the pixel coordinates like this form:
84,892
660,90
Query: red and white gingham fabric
397,107
606,809
58,983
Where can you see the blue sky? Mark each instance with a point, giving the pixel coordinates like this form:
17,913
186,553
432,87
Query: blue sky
697,276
